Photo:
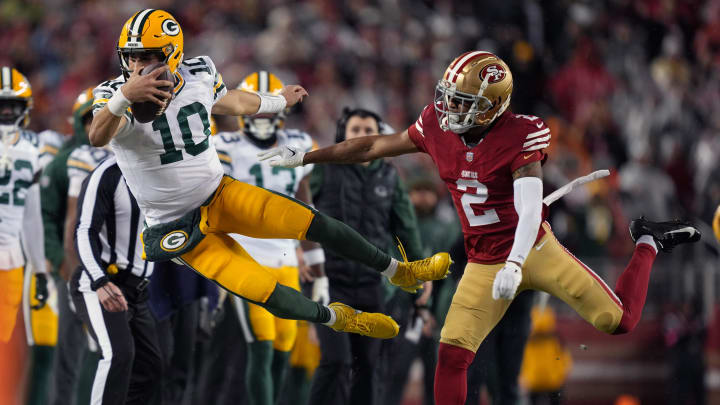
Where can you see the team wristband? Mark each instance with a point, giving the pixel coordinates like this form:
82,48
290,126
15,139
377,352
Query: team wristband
314,256
270,103
118,103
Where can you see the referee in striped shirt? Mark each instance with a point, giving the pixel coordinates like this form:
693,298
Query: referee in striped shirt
109,289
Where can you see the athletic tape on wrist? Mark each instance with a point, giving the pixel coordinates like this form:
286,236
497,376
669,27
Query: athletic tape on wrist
314,256
270,103
118,104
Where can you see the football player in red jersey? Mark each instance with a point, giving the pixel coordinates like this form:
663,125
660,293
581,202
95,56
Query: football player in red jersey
491,161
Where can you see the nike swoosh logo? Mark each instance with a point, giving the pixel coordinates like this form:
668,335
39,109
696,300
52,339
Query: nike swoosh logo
528,156
687,229
292,151
538,247
539,125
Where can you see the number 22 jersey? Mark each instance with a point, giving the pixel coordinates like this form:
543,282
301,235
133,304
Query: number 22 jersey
170,164
480,179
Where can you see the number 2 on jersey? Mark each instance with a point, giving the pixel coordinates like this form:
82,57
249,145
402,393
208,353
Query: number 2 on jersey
161,124
478,197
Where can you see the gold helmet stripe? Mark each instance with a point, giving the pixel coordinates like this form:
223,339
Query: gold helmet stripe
263,82
459,65
6,78
136,26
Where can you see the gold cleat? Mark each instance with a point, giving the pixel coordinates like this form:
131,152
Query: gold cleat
371,324
410,275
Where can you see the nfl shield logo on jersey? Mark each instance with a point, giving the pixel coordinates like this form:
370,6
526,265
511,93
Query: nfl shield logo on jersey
469,156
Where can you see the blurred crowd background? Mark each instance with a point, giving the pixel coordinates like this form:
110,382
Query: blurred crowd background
632,86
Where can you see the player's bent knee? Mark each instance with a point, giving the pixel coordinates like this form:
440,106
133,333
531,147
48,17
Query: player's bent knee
453,356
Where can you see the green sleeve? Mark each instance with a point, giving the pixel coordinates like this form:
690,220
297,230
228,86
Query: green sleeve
403,222
316,179
52,199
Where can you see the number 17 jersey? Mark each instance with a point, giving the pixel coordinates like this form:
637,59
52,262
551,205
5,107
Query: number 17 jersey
480,179
170,164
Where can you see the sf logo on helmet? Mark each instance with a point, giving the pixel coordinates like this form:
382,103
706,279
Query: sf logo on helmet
170,27
495,71
173,241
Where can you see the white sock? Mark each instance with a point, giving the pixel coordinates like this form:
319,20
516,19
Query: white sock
391,268
648,240
333,317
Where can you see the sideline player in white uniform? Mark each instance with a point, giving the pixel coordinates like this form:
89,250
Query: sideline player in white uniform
270,339
20,218
50,144
174,172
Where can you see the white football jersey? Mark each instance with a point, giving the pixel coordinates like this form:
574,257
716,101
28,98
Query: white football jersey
21,151
50,143
239,159
170,164
81,161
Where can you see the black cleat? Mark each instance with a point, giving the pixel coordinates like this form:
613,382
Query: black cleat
667,235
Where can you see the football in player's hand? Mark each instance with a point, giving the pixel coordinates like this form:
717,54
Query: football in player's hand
147,111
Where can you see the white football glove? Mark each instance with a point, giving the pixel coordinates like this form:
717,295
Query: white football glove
507,281
288,156
321,290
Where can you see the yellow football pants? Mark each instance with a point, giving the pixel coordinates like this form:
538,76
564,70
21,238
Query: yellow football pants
43,321
258,324
306,353
11,287
550,268
241,208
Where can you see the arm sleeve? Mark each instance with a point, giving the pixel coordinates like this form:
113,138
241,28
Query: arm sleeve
33,228
528,204
94,204
403,222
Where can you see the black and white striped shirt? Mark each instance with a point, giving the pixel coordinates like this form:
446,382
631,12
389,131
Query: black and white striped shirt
109,226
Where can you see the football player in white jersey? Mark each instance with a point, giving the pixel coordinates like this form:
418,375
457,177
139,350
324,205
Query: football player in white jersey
269,338
174,172
50,144
20,218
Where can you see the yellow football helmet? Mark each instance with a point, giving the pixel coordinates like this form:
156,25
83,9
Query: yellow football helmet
15,98
473,92
262,129
81,110
151,30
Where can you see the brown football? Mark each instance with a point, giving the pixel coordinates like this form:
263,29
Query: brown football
147,111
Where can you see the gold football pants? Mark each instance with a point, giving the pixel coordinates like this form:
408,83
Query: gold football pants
306,352
44,321
11,288
550,268
241,208
258,324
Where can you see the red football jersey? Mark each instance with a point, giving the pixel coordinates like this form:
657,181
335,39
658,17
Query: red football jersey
480,178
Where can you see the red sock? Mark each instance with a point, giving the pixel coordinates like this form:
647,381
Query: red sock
632,287
451,374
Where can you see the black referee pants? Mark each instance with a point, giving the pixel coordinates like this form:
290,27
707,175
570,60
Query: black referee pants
348,370
130,369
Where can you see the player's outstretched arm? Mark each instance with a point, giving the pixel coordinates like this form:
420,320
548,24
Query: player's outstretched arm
528,193
110,119
356,150
240,102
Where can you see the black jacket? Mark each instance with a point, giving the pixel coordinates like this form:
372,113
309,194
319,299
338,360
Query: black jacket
372,200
